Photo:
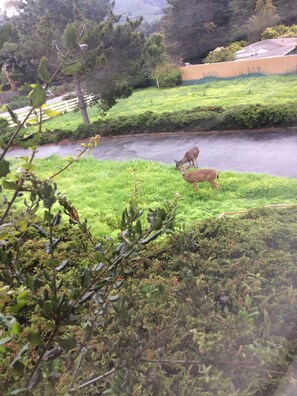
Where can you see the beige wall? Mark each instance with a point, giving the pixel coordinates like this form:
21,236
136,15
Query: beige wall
275,65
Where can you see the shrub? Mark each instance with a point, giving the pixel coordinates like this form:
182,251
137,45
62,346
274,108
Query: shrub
166,76
17,102
197,119
224,54
3,125
279,31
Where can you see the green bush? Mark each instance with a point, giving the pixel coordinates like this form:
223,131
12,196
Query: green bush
214,313
166,76
197,119
3,125
17,102
224,54
279,31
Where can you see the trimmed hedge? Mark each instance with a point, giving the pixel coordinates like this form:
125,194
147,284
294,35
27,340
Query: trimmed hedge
196,120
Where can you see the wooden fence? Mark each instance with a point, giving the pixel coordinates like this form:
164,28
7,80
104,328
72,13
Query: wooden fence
60,107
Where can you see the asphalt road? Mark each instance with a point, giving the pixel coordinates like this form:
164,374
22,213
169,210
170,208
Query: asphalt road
267,152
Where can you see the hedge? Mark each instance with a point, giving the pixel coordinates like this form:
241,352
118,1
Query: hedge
198,119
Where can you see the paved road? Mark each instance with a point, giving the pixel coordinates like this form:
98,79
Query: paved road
272,153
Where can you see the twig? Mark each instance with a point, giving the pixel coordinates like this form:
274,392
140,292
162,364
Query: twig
15,133
94,380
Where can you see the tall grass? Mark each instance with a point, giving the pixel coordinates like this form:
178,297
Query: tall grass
100,190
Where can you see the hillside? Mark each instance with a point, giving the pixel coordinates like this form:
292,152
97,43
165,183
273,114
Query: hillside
151,10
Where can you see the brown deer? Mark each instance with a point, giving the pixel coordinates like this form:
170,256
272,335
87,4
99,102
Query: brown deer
200,175
190,157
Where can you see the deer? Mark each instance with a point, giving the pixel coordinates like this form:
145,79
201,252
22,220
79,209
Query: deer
200,175
190,157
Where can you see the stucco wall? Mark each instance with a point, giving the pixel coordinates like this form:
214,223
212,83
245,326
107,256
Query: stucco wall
275,65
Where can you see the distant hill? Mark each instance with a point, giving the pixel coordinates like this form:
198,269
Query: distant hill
151,10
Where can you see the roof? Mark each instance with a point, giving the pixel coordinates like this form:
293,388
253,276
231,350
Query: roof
267,48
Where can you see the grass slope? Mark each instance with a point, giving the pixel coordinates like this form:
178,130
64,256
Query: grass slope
227,93
100,190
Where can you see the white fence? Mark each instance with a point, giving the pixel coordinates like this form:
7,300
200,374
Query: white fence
64,106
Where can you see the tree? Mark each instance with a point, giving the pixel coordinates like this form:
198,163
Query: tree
44,23
265,15
116,50
194,27
287,11
154,54
50,306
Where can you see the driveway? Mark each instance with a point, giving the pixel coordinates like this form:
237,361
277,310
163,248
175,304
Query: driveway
273,152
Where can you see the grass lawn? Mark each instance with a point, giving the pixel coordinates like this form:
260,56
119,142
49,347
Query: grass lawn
100,190
242,90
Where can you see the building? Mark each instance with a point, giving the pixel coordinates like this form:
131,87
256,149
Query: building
268,48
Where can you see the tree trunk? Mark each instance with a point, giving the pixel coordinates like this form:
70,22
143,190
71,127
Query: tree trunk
81,102
10,80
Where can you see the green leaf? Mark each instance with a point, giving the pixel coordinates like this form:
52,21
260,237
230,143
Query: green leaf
29,141
15,328
5,32
72,68
19,354
35,339
9,185
43,72
113,298
37,96
138,227
52,354
67,343
18,368
19,391
62,265
12,114
5,340
69,38
4,168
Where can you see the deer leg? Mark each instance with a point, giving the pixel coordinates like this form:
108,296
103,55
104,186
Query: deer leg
215,184
195,185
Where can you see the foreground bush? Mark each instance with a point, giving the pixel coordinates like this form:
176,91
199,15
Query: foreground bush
214,313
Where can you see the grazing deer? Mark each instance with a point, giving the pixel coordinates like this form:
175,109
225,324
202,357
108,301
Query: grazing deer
190,157
200,175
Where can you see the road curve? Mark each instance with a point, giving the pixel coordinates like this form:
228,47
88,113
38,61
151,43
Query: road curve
267,152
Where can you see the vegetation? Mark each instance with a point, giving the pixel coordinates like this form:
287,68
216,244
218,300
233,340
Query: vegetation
194,28
279,31
105,187
224,54
51,309
243,102
98,306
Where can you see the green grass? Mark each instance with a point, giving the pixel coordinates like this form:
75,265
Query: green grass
227,93
100,190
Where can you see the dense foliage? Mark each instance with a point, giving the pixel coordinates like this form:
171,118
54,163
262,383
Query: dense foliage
211,312
56,290
214,312
193,28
